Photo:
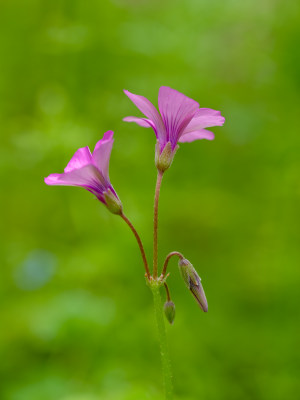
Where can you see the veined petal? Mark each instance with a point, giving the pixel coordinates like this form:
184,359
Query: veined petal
176,110
101,153
148,109
196,135
204,118
144,122
81,158
87,177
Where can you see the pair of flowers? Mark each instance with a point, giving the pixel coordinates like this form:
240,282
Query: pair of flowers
179,120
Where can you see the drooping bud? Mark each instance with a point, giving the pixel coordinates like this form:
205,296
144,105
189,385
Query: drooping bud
164,159
112,202
193,282
169,308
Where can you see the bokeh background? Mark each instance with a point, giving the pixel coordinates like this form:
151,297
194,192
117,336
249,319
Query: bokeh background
76,316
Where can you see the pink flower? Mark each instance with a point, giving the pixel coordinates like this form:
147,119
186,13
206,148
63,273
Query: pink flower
179,120
90,171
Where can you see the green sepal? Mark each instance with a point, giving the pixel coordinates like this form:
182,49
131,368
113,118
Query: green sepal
164,159
112,202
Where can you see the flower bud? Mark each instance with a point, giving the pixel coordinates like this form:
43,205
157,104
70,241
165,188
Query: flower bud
193,282
164,159
112,202
169,309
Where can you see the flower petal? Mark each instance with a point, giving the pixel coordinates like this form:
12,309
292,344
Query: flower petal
144,122
148,109
101,153
85,177
81,158
196,135
176,110
204,118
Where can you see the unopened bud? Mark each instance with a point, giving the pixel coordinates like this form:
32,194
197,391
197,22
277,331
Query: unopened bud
169,309
193,282
112,202
164,159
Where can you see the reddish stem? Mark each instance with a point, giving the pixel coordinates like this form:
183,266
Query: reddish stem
155,224
139,243
173,253
167,291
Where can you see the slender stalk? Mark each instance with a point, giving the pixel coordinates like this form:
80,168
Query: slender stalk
167,292
173,253
164,349
139,243
155,223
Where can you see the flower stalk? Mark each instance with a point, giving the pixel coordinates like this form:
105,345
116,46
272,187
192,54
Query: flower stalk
167,292
138,239
155,224
170,255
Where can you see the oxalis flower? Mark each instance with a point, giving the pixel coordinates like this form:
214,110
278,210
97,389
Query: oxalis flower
179,120
90,171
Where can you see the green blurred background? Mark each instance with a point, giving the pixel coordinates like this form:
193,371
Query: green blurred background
76,316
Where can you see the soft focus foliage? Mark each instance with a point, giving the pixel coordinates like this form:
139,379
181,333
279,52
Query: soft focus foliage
76,317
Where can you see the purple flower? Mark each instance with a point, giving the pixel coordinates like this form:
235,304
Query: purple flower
90,171
179,120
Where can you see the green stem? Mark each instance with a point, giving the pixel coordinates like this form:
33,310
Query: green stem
164,349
